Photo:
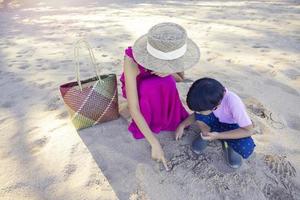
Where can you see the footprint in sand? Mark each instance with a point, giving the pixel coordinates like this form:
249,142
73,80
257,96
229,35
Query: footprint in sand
71,78
53,103
66,61
3,120
8,104
291,74
265,50
38,145
62,115
117,62
57,127
40,59
94,180
213,56
28,52
40,79
69,170
259,46
19,79
74,148
53,67
15,187
46,85
24,67
32,129
282,86
293,122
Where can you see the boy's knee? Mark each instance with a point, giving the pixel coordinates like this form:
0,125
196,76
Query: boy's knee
247,153
244,146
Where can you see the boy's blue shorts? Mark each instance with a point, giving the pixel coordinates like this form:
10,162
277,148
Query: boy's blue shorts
243,146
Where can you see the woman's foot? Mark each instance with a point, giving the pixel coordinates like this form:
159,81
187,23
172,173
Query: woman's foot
198,145
124,111
233,159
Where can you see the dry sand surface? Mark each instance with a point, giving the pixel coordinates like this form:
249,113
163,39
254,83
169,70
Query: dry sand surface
252,47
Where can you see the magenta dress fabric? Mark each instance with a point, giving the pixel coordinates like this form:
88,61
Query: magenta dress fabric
159,101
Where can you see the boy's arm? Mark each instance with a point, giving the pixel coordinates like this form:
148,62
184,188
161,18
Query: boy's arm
233,134
188,121
203,127
237,133
240,115
180,129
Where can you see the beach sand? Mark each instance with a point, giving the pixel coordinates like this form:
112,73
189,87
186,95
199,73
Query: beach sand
252,47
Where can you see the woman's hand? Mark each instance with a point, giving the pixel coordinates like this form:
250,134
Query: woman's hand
157,153
179,132
179,76
160,74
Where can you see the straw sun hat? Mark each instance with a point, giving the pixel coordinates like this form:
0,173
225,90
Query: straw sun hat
166,49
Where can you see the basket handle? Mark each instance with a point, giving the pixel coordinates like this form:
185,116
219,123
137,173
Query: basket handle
77,46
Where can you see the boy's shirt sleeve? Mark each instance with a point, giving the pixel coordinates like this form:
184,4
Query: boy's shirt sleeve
239,112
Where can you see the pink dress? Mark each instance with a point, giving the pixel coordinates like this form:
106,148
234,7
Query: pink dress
159,101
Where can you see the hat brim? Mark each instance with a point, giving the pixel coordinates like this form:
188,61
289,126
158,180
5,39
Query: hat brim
143,58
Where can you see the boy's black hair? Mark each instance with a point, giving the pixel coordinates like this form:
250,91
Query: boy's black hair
205,94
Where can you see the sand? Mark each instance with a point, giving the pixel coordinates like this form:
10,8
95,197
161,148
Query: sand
250,46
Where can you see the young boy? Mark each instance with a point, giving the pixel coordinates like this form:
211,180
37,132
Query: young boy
220,115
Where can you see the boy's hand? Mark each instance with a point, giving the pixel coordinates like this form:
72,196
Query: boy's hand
210,136
179,132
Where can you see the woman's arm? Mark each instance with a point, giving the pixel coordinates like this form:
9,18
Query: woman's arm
131,71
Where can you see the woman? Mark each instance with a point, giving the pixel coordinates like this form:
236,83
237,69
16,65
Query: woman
151,68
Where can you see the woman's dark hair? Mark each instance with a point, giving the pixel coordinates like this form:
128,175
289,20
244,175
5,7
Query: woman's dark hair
205,94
